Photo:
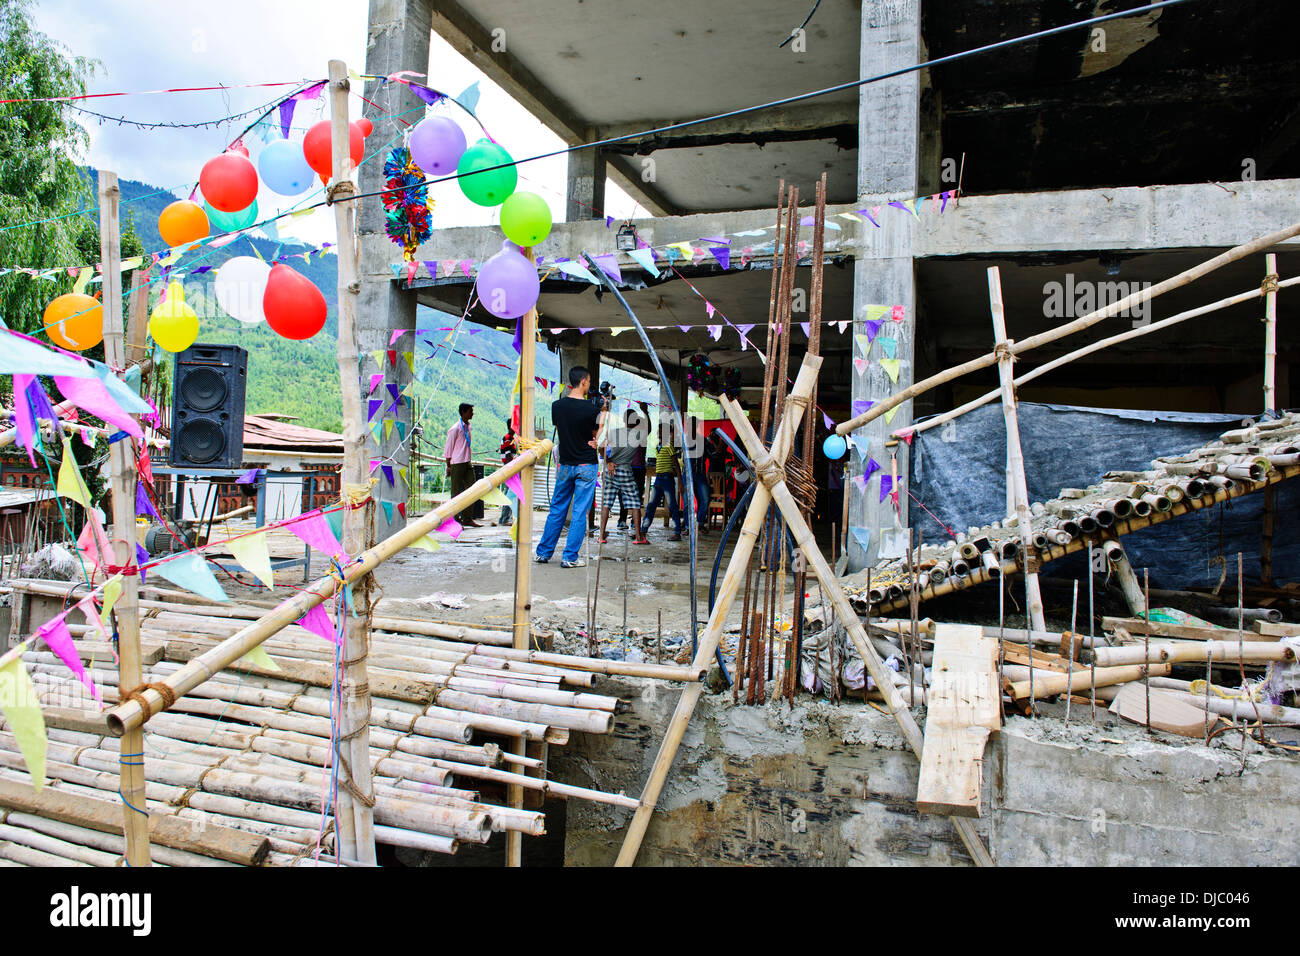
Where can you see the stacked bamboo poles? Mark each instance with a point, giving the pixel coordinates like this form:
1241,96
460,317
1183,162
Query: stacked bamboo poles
355,797
1069,328
130,714
123,482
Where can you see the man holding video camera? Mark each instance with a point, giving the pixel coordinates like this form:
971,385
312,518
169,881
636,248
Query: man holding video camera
576,419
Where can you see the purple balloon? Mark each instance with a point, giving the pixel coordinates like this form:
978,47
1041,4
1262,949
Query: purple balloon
507,283
436,145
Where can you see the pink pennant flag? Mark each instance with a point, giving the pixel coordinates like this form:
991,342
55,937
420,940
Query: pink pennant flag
448,267
397,334
860,481
90,395
451,527
93,542
87,437
907,435
314,529
516,484
465,266
57,638
897,313
375,379
709,308
860,364
319,623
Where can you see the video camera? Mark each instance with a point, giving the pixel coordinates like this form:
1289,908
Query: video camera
607,395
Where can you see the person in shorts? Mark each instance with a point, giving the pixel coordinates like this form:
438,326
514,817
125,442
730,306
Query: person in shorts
621,485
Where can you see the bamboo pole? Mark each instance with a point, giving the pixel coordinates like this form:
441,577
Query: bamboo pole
1051,683
1248,652
130,715
523,544
736,569
122,482
1087,350
1017,487
774,481
1078,325
358,840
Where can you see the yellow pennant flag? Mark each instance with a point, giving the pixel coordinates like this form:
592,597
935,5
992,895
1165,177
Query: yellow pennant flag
891,366
112,591
70,483
514,531
22,711
402,471
259,658
495,497
83,277
889,415
874,312
410,360
427,543
254,556
388,428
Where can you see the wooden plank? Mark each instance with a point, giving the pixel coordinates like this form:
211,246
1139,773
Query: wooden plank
1019,654
1275,632
1186,632
1168,712
964,707
224,843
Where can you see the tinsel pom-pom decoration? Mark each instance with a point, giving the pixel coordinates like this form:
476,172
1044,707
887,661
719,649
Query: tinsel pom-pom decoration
407,202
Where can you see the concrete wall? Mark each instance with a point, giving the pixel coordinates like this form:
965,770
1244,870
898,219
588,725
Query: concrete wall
835,786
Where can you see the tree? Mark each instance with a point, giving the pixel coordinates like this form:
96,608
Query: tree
40,180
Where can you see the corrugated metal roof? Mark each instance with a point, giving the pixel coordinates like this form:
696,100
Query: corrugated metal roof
270,431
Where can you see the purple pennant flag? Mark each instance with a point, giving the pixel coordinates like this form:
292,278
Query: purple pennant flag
24,422
585,331
141,559
430,96
249,477
286,115
396,392
830,425
143,506
944,204
886,485
388,473
861,406
432,266
451,527
609,265
869,214
319,623
518,343
57,638
873,466
807,329
684,328
871,327
722,254
374,404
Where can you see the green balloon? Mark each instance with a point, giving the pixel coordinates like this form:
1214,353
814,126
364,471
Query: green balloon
525,219
487,188
231,221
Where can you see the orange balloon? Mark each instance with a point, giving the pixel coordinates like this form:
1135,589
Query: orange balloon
182,222
75,321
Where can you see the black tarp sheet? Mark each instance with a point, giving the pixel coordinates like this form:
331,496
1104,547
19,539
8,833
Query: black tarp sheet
959,474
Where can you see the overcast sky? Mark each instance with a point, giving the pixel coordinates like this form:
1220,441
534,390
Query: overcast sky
147,45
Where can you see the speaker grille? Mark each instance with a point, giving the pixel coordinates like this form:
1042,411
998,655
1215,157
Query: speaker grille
203,389
200,441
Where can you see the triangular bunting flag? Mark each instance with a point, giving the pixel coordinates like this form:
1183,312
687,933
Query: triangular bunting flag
891,366
57,638
889,415
254,556
70,483
192,573
318,622
22,711
890,345
860,364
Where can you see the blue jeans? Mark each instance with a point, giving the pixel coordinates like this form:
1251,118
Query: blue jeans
701,497
576,484
665,487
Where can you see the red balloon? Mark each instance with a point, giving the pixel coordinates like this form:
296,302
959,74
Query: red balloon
367,127
319,150
229,182
293,306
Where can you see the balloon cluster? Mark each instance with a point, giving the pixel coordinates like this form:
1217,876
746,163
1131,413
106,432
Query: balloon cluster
507,284
708,379
247,288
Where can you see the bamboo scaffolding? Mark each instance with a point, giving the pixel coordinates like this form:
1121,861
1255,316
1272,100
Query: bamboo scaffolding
727,590
1017,487
123,481
130,714
357,839
1078,325
780,493
1248,652
1087,350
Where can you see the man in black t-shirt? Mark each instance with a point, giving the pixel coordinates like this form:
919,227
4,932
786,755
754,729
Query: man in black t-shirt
576,419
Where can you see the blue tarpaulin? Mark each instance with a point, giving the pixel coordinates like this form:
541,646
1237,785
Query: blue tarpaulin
959,472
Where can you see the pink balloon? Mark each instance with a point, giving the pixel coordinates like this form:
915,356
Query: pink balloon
436,145
507,283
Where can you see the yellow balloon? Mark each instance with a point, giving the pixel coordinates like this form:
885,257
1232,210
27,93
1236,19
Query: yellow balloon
173,324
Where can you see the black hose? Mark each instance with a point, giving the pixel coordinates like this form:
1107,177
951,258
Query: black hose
741,506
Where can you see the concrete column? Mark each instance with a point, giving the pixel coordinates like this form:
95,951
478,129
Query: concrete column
397,39
580,354
889,133
586,190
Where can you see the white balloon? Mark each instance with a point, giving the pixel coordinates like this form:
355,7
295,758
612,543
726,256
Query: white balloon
239,288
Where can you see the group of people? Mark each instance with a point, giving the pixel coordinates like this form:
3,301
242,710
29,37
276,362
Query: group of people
584,447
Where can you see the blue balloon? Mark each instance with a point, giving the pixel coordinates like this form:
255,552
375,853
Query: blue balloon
834,447
284,168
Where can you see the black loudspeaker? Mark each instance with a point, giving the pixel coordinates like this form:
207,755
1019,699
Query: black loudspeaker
208,407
